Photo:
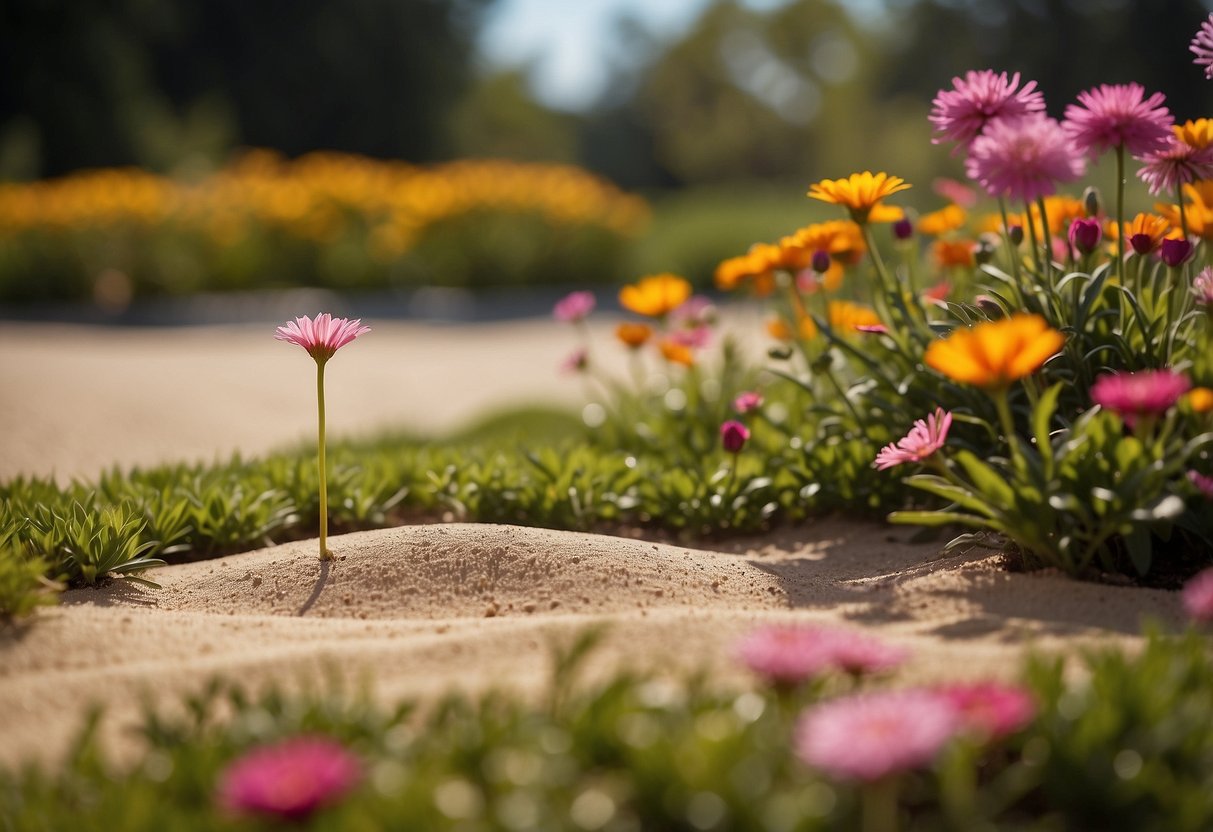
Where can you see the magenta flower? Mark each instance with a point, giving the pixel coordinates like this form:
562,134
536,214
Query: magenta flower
1023,158
1198,596
790,655
903,229
289,780
1176,164
925,438
1145,393
1202,287
574,307
747,401
696,337
872,736
990,709
1202,46
1119,115
1203,484
695,312
321,337
954,191
733,436
962,113
1174,251
1085,234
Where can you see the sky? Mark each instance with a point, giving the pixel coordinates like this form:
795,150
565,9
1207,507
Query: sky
568,41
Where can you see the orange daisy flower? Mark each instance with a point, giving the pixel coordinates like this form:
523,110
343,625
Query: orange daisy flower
954,254
1195,133
677,353
655,296
948,218
1145,232
634,336
995,354
861,194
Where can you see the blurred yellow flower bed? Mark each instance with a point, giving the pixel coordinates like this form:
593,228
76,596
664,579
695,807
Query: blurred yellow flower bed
324,219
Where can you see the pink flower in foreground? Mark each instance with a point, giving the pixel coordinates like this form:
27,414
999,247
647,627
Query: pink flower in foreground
1203,484
1202,287
323,336
1023,158
288,780
1112,115
872,736
990,709
962,113
1176,164
574,307
747,401
733,436
792,655
1202,46
925,438
1145,393
1198,596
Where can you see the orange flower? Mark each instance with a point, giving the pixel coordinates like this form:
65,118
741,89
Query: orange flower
847,317
948,218
634,336
1195,133
755,266
841,239
861,193
995,353
1144,233
1200,399
1198,210
655,296
954,254
677,353
779,329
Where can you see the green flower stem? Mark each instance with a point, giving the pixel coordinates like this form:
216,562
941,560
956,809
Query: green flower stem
880,806
1011,247
1008,426
1027,218
1048,237
1120,212
1183,214
325,554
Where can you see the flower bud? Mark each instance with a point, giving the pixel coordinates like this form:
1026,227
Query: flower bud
903,229
821,261
1015,232
1085,235
733,436
1174,252
984,252
1091,201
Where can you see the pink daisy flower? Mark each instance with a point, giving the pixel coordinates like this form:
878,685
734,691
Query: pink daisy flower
321,337
1114,115
1202,46
747,401
1202,286
1176,164
1145,393
733,436
925,438
289,780
1203,484
1023,158
869,737
991,709
1198,596
961,114
574,307
792,655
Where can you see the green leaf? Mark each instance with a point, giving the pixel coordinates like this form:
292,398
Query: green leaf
943,518
1137,542
992,485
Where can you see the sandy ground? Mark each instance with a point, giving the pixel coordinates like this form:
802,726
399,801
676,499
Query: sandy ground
420,610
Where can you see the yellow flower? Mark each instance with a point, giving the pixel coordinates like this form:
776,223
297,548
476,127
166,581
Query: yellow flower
656,295
949,218
860,193
1200,399
847,317
995,353
1195,133
633,335
841,239
1198,211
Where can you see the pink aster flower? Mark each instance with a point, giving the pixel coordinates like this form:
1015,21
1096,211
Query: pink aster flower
872,736
990,709
733,436
925,438
1202,287
1145,393
1116,115
1198,596
1202,46
574,307
791,655
747,401
962,113
321,337
1203,484
1023,158
289,780
1175,164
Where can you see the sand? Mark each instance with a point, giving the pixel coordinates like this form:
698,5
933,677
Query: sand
421,610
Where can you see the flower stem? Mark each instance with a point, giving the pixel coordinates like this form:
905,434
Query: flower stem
1011,247
325,554
1008,426
1120,213
880,806
1047,233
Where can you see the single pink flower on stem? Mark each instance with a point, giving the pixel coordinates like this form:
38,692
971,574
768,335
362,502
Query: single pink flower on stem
962,113
1203,484
289,780
869,737
1176,164
790,655
1119,115
321,338
991,709
574,307
1202,46
1202,287
1023,158
1134,395
733,436
1198,596
747,402
925,438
